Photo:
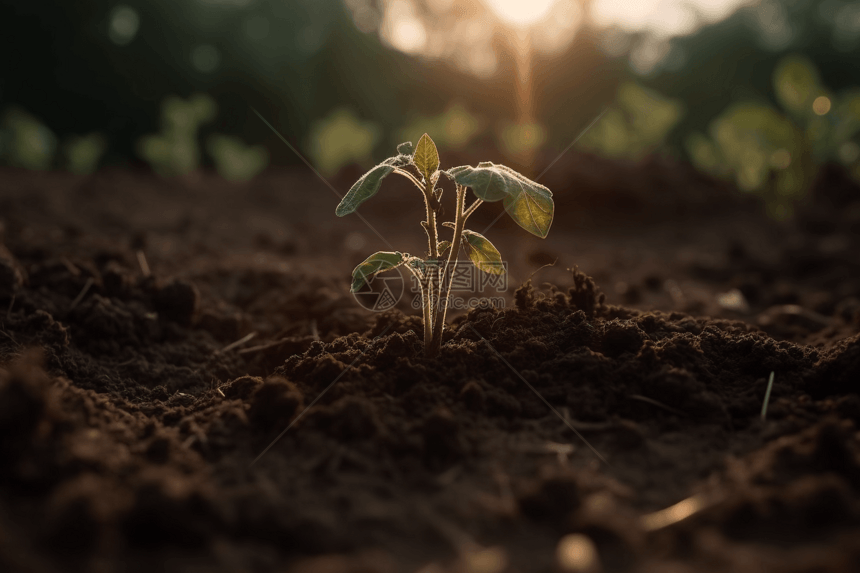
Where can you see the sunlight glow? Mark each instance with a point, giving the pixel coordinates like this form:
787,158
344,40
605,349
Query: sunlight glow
474,35
577,553
521,13
403,29
662,17
821,105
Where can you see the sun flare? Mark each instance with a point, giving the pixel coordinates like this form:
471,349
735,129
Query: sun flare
521,13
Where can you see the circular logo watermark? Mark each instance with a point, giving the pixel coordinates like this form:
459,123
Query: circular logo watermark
381,292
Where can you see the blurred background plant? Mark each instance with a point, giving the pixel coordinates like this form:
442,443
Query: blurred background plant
25,141
635,125
83,152
234,160
340,139
776,152
174,151
735,86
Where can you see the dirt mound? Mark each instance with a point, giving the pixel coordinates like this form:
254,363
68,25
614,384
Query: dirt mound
173,400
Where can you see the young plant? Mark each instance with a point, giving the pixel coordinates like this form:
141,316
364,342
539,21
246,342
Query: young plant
528,203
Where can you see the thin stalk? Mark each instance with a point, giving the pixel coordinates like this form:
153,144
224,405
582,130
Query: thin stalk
428,319
432,243
432,297
430,227
472,208
441,306
410,177
425,304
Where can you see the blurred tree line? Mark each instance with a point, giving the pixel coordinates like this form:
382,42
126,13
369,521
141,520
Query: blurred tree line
100,72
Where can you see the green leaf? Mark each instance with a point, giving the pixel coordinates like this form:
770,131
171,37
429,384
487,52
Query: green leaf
487,182
443,247
482,252
375,263
527,202
363,189
426,157
405,148
369,183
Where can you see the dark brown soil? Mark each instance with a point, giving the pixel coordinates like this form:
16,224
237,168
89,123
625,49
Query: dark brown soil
143,429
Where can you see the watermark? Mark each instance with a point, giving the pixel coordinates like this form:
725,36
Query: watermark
466,277
471,287
463,303
381,292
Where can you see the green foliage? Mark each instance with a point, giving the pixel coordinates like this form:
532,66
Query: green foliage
761,149
369,183
455,127
527,202
340,139
796,85
84,152
234,160
426,157
775,154
488,183
363,189
25,141
635,125
375,263
482,252
175,151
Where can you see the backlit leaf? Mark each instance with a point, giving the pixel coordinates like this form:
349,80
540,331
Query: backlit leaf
405,148
482,253
527,202
426,157
531,208
487,182
375,263
363,189
369,183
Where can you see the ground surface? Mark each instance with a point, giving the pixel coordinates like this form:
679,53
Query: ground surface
129,420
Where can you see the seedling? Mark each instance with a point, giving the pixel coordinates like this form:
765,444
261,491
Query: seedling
528,203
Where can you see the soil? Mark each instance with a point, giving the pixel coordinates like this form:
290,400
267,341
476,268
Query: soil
186,383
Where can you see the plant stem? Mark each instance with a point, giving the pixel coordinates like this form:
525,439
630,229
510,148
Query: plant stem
472,208
432,232
410,177
441,306
432,243
426,298
426,295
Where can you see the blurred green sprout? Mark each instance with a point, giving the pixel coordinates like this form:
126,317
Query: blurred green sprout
635,125
84,152
774,153
340,139
455,127
528,203
25,141
234,160
175,150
